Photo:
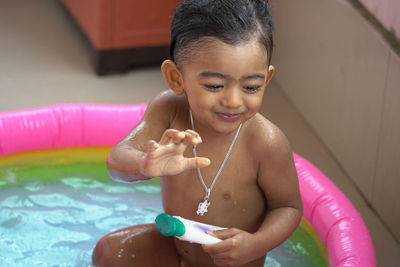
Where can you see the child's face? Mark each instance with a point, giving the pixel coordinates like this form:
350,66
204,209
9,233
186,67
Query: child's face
225,84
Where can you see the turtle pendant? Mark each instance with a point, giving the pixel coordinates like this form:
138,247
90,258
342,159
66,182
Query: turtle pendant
202,208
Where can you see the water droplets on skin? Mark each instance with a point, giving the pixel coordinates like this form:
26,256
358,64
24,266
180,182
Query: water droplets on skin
120,252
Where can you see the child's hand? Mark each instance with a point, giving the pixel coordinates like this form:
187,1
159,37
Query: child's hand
234,250
166,157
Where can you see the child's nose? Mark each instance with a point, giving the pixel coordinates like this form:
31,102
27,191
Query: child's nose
232,98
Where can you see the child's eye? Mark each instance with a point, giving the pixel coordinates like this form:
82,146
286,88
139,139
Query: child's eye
213,86
252,88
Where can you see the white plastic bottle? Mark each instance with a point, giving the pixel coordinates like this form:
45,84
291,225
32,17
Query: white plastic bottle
187,230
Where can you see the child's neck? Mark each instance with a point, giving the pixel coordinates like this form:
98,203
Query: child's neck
207,133
212,137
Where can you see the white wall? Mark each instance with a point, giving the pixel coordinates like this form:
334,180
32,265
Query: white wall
345,80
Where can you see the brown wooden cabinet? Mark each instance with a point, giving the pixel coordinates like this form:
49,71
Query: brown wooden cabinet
124,34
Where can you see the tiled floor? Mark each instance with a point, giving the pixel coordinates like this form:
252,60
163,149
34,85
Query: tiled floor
44,60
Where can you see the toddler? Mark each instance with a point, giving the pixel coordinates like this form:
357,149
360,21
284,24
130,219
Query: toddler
220,161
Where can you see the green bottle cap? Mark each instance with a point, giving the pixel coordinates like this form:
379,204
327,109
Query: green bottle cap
169,226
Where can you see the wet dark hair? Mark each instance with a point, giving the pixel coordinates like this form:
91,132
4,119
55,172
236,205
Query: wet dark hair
231,21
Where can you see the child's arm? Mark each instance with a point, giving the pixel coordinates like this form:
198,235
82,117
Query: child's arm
139,157
278,180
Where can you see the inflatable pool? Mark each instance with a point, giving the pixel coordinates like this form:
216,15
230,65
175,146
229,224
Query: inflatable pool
56,199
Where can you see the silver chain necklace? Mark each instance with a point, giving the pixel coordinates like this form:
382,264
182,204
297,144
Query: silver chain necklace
202,208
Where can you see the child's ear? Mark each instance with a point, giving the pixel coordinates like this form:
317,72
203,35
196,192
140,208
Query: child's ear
172,76
270,73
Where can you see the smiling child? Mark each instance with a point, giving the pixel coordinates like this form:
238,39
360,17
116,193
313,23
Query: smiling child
220,161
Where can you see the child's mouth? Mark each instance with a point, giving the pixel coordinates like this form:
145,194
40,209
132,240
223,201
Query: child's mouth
229,117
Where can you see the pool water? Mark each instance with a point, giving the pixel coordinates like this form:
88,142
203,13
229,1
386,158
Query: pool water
56,204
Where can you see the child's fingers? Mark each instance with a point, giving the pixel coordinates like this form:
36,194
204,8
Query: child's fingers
228,241
152,146
187,137
192,137
172,135
177,137
198,162
225,234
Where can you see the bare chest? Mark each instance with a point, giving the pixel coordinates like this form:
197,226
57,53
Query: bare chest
235,199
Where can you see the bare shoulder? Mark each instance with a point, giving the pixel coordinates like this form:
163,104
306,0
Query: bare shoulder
266,139
277,174
162,109
158,117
